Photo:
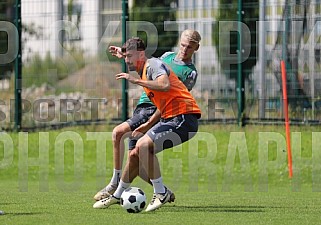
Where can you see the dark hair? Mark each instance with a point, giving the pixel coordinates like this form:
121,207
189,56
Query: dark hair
133,44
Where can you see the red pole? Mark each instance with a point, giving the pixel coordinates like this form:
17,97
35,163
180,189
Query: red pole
286,118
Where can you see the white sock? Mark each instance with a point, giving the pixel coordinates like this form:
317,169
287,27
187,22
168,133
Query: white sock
158,185
122,186
116,177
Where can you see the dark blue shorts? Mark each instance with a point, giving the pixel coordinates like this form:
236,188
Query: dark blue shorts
173,131
141,115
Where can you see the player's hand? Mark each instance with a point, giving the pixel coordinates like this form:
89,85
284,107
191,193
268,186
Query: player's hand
127,76
140,131
115,51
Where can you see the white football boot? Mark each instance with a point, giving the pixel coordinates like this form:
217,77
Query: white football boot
106,202
158,200
171,195
105,192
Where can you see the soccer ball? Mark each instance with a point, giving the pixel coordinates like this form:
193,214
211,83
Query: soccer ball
133,200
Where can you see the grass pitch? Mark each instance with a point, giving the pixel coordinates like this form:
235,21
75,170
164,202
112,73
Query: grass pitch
226,175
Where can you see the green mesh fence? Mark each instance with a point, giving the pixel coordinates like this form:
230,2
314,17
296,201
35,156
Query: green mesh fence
67,77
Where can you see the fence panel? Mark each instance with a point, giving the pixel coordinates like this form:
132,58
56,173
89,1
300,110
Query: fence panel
67,77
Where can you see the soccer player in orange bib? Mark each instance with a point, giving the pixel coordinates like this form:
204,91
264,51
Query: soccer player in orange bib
181,64
174,122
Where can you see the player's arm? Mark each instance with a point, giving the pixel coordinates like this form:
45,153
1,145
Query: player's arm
142,129
190,80
157,76
161,83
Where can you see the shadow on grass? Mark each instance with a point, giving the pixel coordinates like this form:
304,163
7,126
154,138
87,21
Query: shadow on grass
26,213
218,208
8,203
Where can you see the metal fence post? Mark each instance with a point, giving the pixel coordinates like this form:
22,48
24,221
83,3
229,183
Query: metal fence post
262,61
18,68
240,81
124,67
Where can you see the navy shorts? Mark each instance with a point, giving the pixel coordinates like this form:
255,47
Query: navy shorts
173,131
141,115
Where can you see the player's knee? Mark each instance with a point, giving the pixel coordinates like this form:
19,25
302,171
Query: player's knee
144,148
142,143
117,133
134,152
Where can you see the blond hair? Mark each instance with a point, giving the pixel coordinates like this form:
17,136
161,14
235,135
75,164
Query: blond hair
191,35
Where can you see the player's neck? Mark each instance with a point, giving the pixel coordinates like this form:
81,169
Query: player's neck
186,61
140,66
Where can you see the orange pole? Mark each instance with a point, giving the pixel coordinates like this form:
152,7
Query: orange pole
286,117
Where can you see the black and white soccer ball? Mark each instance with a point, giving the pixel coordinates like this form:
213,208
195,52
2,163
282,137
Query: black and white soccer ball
133,200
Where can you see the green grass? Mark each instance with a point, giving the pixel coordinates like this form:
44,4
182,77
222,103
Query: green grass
222,176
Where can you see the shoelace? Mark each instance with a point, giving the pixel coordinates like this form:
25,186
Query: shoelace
153,199
155,196
110,197
106,199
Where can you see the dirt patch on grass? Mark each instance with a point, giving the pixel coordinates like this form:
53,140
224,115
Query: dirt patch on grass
96,79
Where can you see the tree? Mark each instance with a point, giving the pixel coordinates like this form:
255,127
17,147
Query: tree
29,30
287,47
156,12
228,12
6,14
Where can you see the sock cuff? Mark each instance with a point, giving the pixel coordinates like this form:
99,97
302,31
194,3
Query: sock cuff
156,180
124,184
